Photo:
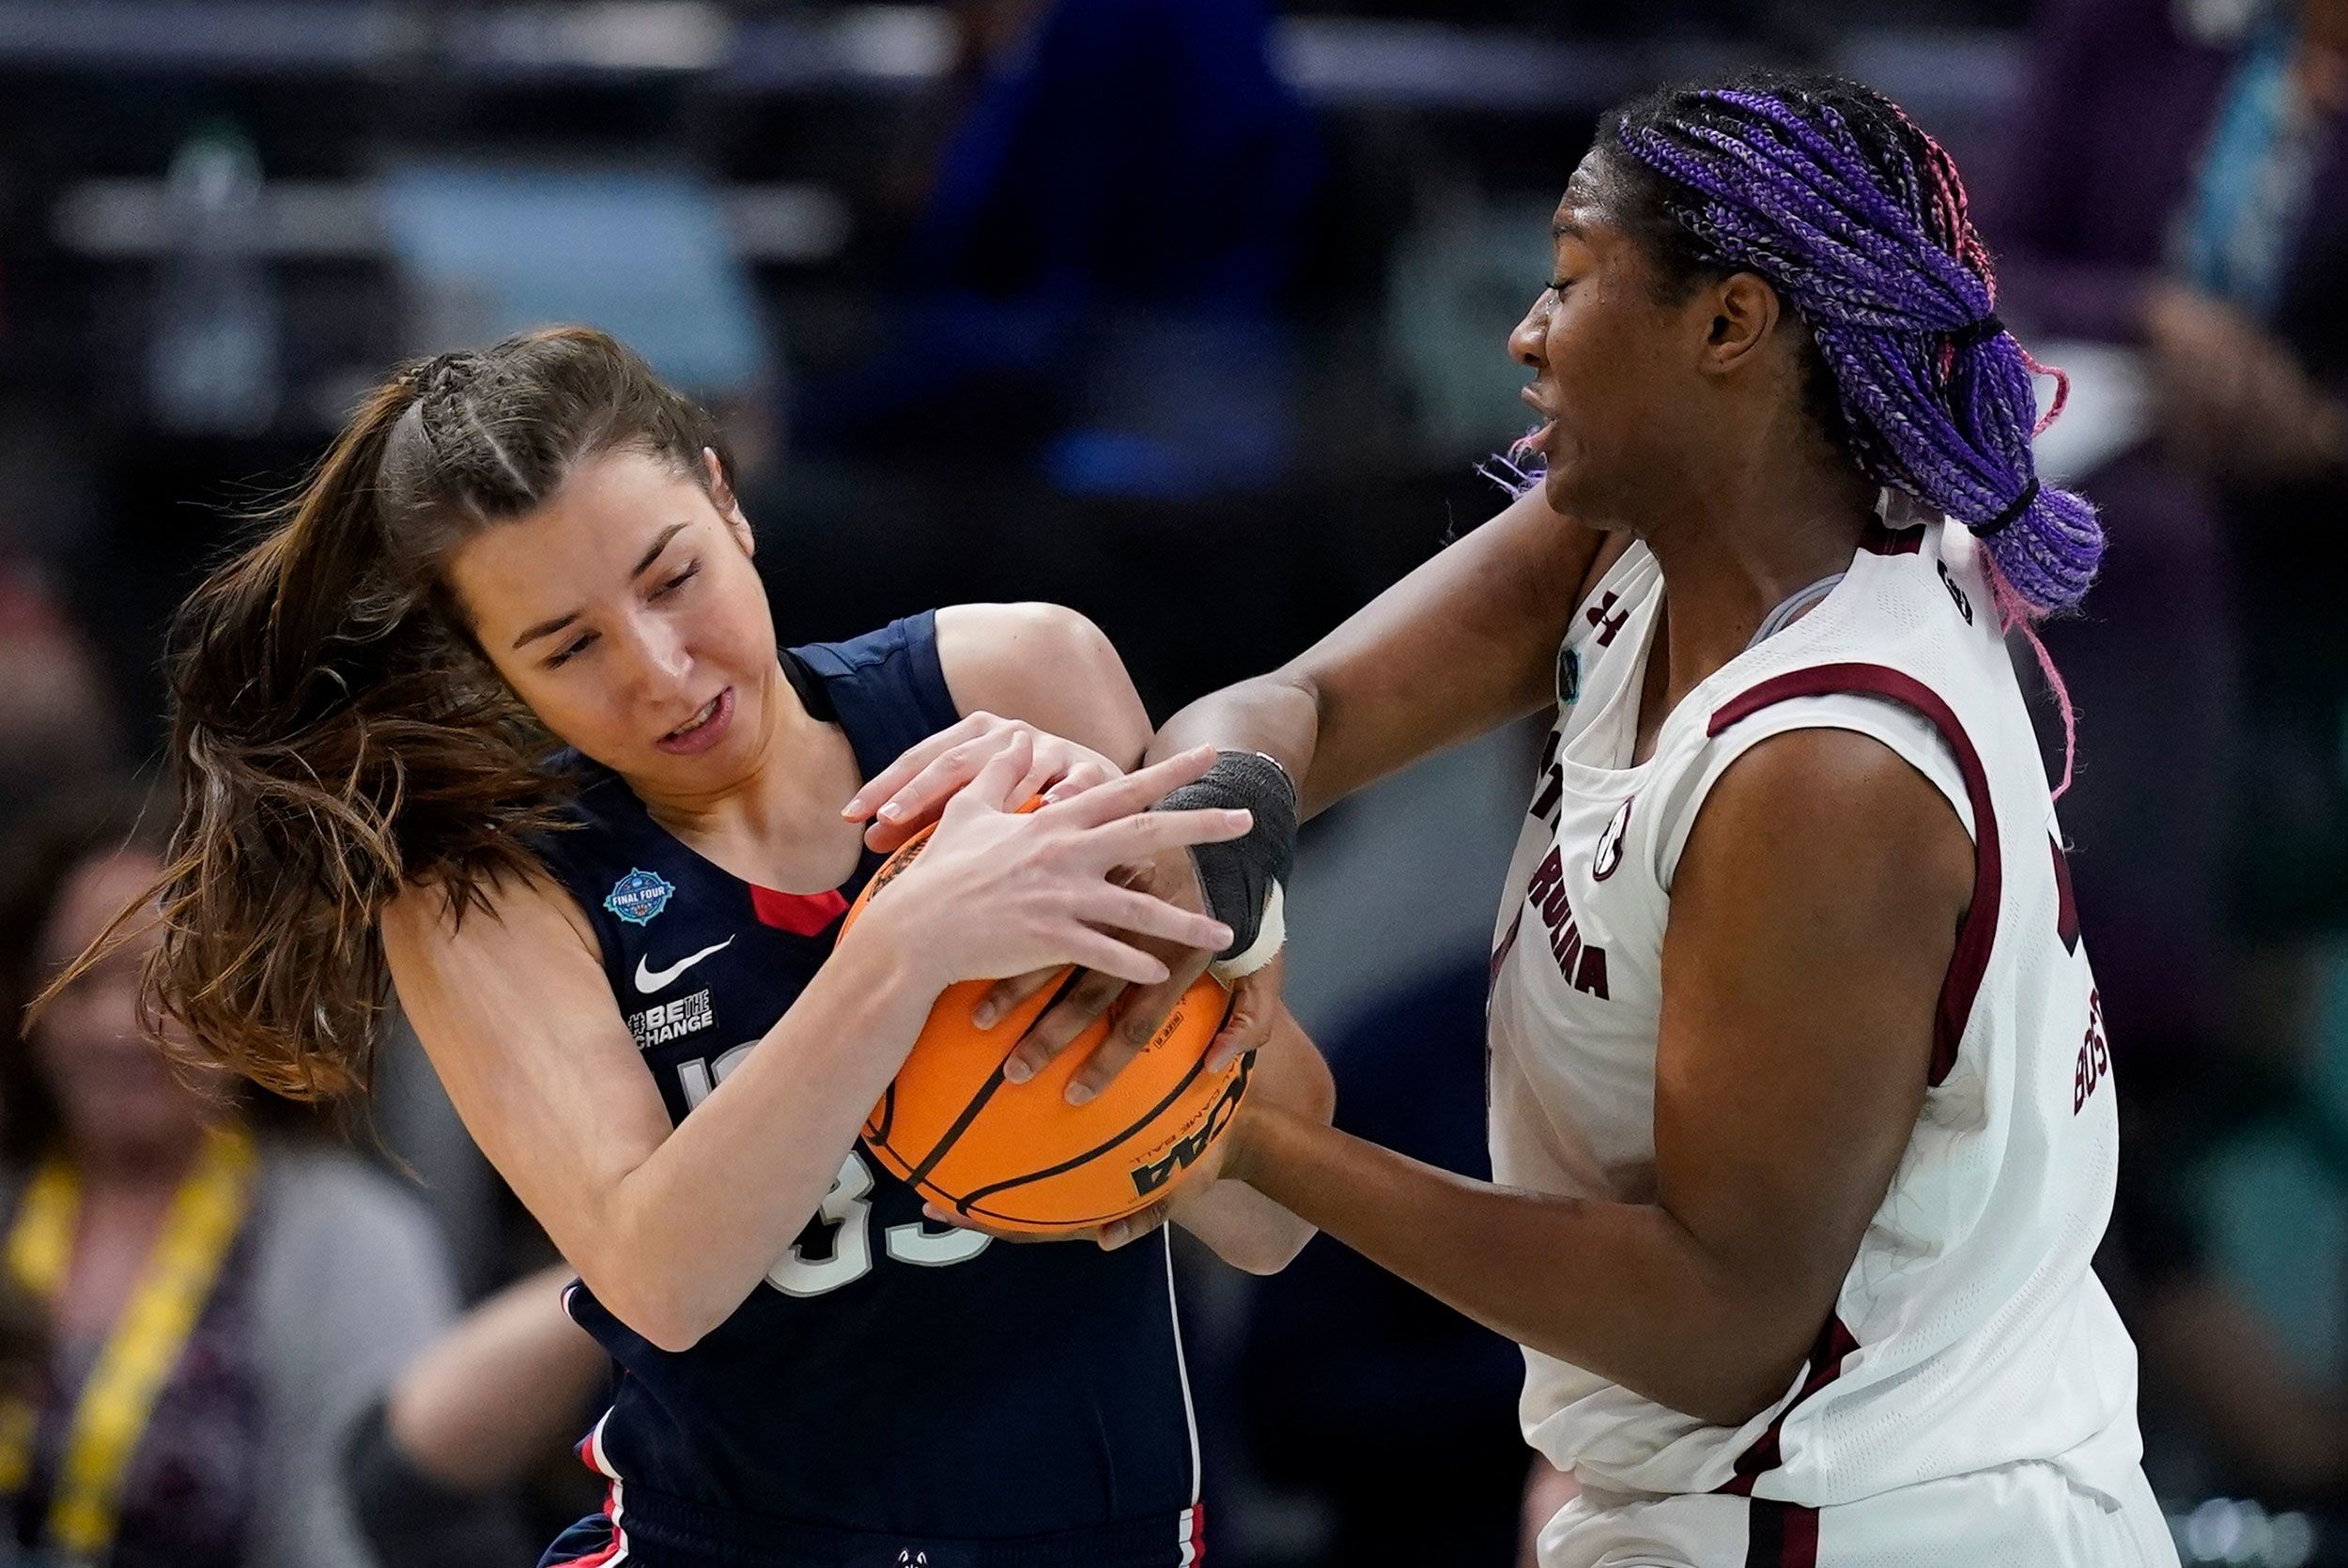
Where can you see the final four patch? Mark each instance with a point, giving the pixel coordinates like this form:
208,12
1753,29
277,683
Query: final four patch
639,895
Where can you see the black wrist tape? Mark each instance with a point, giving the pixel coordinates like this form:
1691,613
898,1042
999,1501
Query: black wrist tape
1238,875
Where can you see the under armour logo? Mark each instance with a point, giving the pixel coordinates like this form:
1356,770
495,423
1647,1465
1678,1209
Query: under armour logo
913,1560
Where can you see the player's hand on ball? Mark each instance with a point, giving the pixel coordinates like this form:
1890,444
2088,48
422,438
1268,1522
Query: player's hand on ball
1140,1009
908,794
1196,1182
1005,893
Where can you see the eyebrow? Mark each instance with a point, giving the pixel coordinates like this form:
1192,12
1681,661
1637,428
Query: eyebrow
1565,228
548,628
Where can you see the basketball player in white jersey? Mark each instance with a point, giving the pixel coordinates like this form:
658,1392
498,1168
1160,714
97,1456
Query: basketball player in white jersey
1801,1107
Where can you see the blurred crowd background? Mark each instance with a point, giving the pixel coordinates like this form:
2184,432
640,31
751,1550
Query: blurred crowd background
1188,313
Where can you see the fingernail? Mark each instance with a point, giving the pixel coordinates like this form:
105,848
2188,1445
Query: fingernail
1116,1235
1017,1071
1078,1093
982,1016
1242,820
892,811
1222,937
931,1211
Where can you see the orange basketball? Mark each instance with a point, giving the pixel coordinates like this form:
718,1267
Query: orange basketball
1018,1156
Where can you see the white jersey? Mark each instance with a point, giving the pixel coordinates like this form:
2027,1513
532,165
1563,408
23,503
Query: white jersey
1971,1331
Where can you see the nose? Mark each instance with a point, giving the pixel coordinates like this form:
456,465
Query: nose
1525,343
663,660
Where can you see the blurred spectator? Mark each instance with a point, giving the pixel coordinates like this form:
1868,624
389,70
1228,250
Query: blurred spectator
435,1469
58,724
221,1298
2183,191
1108,227
2198,210
1392,1413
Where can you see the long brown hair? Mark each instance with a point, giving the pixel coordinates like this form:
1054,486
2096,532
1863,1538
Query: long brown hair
336,733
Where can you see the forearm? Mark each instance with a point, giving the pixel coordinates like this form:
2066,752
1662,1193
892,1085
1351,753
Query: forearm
1466,642
1243,1227
498,1391
691,1230
1622,1289
1278,715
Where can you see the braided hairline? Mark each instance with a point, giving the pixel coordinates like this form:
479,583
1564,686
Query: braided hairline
1861,219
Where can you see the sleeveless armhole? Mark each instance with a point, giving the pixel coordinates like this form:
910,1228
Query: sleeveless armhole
887,688
586,857
1907,732
1848,696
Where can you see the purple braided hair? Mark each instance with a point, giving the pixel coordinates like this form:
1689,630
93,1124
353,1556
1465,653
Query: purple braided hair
1860,219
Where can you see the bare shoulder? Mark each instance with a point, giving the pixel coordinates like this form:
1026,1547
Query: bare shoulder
1046,664
1840,810
519,918
989,650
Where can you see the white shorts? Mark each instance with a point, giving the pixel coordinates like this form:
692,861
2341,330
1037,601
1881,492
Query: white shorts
2031,1514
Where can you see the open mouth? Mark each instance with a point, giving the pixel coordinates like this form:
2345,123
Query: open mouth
1536,440
704,729
709,711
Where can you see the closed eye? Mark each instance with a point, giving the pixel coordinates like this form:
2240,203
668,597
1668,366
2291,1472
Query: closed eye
570,651
678,581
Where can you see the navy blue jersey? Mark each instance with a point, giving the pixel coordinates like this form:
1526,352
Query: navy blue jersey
894,1386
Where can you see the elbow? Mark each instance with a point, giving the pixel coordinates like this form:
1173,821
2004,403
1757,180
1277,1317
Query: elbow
1081,660
1734,1390
670,1325
1267,1256
667,1315
1731,1401
673,1335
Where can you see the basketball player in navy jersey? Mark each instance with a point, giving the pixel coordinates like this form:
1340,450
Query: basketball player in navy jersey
623,962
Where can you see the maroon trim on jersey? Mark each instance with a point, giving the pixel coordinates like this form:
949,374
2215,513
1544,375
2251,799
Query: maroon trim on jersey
1877,540
1500,954
1826,1353
800,913
1979,933
2066,906
1781,1535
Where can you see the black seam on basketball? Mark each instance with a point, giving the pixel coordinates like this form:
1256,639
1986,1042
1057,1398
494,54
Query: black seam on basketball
1054,1227
952,1135
888,1113
1090,1155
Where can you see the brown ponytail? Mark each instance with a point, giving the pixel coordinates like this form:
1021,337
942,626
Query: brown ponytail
337,736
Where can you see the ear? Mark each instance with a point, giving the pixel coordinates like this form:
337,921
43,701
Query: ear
1743,309
722,495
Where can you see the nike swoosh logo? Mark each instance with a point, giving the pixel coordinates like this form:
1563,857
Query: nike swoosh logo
649,979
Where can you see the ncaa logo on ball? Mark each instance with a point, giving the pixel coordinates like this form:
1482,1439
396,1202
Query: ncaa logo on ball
639,895
1608,855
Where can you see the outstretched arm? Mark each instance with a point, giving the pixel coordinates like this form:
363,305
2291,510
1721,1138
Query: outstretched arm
1787,1085
1462,645
1245,1229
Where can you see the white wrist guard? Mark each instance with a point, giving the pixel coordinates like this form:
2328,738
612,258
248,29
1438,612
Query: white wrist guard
1272,934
